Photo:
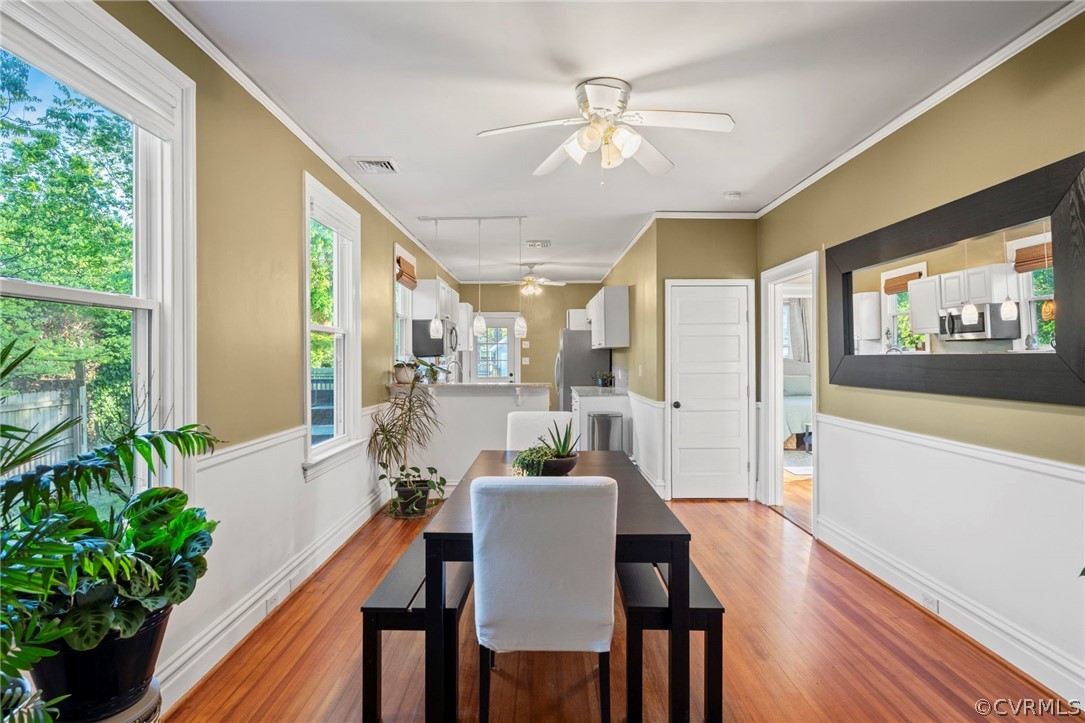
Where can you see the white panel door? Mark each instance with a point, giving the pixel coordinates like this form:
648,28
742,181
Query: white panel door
709,374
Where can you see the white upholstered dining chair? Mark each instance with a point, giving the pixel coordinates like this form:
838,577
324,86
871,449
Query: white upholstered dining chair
544,570
525,428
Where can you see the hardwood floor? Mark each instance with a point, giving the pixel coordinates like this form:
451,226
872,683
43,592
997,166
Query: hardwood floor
807,637
798,503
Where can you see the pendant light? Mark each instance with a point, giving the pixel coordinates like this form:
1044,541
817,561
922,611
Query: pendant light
479,324
969,313
1008,310
519,327
436,326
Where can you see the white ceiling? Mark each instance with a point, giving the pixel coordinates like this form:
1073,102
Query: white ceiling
416,81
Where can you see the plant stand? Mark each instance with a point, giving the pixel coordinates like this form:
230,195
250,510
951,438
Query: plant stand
147,709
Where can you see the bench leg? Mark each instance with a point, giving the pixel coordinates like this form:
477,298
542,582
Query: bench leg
483,684
604,686
634,667
371,669
452,652
713,669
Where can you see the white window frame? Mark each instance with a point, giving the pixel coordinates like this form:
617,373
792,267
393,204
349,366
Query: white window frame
85,48
889,305
325,207
1024,291
405,317
494,320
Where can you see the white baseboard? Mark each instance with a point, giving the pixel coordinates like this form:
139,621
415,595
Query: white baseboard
993,631
184,669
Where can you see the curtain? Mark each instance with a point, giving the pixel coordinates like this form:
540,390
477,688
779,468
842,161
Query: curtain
801,317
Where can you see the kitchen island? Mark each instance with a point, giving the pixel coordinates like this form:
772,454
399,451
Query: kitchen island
473,418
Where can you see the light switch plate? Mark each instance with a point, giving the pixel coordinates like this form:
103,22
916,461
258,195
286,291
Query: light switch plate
525,344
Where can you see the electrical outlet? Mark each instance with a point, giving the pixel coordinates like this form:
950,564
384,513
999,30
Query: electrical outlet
525,361
930,602
270,603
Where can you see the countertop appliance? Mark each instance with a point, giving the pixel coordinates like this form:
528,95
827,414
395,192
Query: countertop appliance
989,325
423,346
575,364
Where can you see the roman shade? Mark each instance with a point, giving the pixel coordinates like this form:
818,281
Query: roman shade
899,284
405,273
1033,258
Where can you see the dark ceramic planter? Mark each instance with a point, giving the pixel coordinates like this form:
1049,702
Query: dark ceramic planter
408,503
106,680
559,466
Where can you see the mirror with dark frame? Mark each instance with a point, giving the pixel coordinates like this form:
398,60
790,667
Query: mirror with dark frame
964,299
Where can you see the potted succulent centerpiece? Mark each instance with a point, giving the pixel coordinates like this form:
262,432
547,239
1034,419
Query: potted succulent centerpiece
555,457
407,422
91,570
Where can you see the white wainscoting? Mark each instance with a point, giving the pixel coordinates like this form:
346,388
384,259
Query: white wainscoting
276,526
998,538
648,439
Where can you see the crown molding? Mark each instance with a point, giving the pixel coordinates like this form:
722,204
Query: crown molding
1060,17
750,216
207,46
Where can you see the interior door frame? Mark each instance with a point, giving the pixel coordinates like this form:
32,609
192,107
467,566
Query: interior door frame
751,349
770,470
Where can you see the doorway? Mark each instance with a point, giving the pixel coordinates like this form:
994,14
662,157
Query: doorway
708,378
789,376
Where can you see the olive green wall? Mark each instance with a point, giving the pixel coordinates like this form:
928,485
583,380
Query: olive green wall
674,249
1026,113
249,201
545,315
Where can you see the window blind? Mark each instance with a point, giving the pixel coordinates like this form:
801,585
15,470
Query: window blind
405,273
1033,258
899,284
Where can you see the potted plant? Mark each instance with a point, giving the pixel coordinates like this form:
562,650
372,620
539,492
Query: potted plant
603,379
86,612
407,422
404,371
430,371
554,458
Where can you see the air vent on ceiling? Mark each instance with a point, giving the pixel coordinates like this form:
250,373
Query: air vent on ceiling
376,165
537,244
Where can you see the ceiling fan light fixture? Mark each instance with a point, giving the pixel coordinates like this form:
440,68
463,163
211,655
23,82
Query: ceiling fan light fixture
589,138
626,140
610,156
572,147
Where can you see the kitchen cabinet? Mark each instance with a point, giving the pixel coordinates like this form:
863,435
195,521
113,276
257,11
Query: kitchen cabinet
608,316
591,400
434,297
577,320
464,319
989,284
866,314
924,301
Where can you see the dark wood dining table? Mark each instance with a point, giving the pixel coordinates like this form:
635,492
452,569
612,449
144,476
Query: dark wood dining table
647,531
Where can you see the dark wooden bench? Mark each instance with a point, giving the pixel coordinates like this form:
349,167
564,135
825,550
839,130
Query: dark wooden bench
643,587
399,603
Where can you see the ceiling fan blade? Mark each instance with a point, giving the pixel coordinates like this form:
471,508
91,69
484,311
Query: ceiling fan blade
529,126
688,119
548,282
516,284
653,161
554,160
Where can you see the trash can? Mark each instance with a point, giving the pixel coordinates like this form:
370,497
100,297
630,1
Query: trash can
605,432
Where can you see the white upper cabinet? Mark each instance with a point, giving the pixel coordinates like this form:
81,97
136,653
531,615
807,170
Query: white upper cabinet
434,297
954,290
577,320
608,316
866,315
989,284
924,301
464,319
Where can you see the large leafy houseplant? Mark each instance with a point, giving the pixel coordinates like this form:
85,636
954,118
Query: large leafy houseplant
406,422
73,574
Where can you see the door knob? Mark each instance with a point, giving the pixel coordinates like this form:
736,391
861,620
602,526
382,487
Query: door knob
677,405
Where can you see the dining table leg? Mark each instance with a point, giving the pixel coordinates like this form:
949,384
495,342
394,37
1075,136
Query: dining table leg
679,643
435,631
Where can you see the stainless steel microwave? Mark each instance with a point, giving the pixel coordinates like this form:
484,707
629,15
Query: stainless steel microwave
423,346
988,325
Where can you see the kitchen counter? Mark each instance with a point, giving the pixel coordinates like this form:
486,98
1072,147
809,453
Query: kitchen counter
600,391
477,385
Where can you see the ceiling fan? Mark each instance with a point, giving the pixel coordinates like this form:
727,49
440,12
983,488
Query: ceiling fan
531,285
608,128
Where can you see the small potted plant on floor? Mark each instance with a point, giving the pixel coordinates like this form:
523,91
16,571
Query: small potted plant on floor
555,457
603,379
91,570
407,422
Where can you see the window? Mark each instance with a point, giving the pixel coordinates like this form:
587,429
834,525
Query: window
332,344
403,303
896,314
1034,287
497,352
87,253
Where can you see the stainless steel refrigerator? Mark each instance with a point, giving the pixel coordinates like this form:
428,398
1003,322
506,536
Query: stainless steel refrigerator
575,364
